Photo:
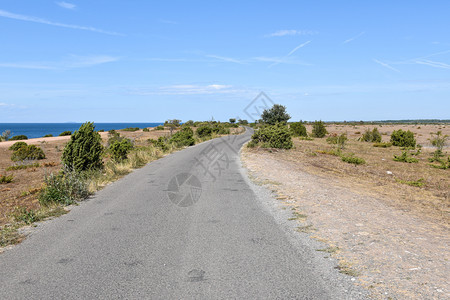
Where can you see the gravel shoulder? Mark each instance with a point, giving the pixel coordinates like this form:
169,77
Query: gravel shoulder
395,254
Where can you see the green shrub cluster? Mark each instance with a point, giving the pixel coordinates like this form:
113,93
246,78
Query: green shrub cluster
6,178
351,159
405,158
160,143
337,140
131,129
403,138
319,130
145,129
120,149
159,127
65,133
204,131
184,137
48,135
29,152
382,145
19,137
272,136
64,188
274,115
298,129
84,150
17,146
373,136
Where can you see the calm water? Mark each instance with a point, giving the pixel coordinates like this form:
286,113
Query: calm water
35,130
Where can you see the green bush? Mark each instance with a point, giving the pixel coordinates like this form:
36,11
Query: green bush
19,137
184,137
220,129
145,129
65,133
204,131
382,145
402,138
24,215
272,136
298,129
29,152
84,150
353,160
131,129
120,149
6,178
160,143
276,114
159,127
405,158
17,146
373,136
319,129
65,188
337,140
48,135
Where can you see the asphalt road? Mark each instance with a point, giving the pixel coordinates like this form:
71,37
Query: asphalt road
188,226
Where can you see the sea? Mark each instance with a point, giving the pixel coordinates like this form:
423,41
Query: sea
36,130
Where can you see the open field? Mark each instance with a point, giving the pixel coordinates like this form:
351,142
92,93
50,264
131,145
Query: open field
23,191
381,226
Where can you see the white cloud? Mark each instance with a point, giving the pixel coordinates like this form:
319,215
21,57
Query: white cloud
288,32
9,15
187,89
298,47
72,62
66,5
353,38
434,64
226,59
385,65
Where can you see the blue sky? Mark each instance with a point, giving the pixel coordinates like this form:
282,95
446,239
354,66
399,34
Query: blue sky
144,61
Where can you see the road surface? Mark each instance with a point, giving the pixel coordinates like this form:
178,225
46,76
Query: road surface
188,226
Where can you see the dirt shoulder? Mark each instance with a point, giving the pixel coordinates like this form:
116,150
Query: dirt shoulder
393,237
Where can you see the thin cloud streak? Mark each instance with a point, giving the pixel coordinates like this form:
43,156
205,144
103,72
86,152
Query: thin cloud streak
353,38
66,5
291,32
298,47
434,64
73,62
226,59
9,15
385,65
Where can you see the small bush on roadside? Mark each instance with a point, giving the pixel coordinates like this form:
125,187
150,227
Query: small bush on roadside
382,145
402,138
6,179
160,143
184,137
19,137
29,152
17,146
65,133
64,188
84,151
319,130
27,216
353,160
120,149
405,158
272,136
204,131
298,129
373,136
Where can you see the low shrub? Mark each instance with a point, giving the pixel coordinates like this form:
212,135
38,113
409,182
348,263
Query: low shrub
159,127
29,152
298,129
319,130
24,215
130,129
373,136
48,135
272,136
204,131
160,143
337,140
6,178
444,165
418,183
65,133
19,137
120,149
402,138
184,137
22,167
353,160
17,146
382,145
405,158
64,188
145,129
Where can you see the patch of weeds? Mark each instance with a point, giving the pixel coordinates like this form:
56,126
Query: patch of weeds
298,216
443,165
24,215
329,249
306,229
22,167
405,158
30,192
334,152
418,183
306,138
346,268
382,145
6,179
9,235
351,159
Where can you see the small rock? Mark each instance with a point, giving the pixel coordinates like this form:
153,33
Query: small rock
389,172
